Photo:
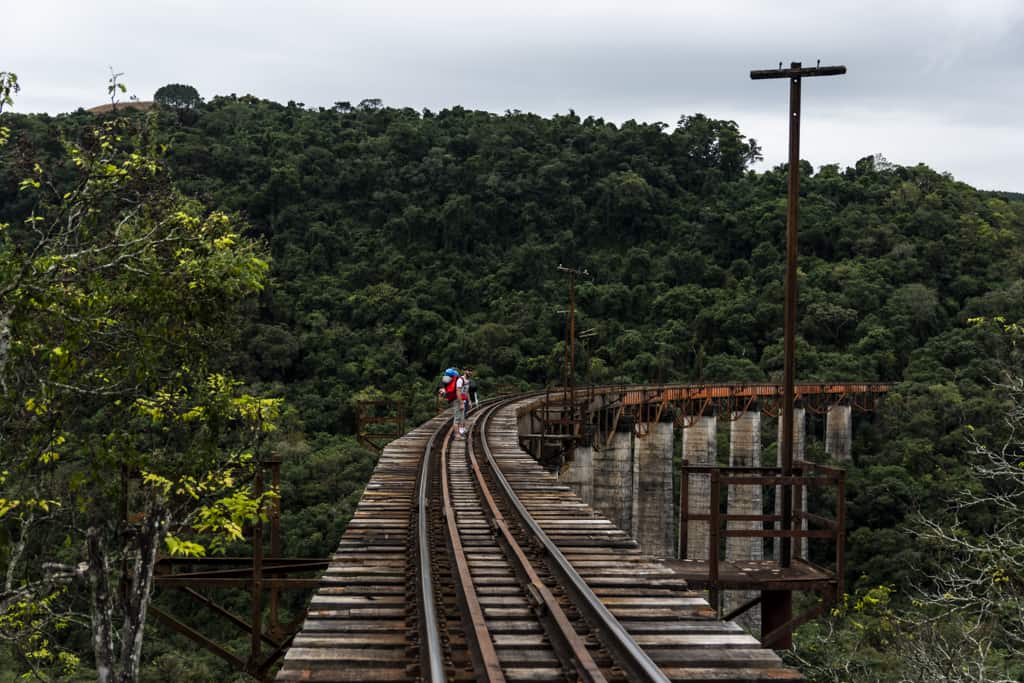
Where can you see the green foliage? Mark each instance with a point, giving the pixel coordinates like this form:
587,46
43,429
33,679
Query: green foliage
115,86
8,88
327,476
403,242
177,96
871,637
851,643
120,302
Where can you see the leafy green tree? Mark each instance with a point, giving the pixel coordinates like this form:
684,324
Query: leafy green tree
404,242
8,88
122,432
965,619
177,96
979,572
114,86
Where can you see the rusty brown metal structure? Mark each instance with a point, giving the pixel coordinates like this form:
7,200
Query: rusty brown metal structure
608,406
774,579
601,408
694,400
795,73
466,560
569,410
378,422
265,574
258,574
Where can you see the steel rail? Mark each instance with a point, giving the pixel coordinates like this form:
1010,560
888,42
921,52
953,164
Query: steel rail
431,656
570,648
628,655
481,646
415,576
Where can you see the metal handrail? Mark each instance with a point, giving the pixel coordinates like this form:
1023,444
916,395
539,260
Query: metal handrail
835,529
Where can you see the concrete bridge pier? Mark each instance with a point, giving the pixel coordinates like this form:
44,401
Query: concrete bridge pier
744,451
839,431
579,473
700,448
799,436
613,479
652,496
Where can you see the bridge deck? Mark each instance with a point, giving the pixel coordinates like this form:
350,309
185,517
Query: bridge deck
361,624
755,574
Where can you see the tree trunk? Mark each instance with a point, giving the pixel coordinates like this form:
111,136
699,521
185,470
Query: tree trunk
150,536
102,611
5,344
16,550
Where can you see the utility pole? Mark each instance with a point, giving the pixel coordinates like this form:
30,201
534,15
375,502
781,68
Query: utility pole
585,337
782,605
570,373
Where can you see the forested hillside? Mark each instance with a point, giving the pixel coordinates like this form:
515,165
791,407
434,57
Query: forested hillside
402,242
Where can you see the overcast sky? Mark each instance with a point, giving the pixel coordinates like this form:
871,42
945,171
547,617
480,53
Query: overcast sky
933,81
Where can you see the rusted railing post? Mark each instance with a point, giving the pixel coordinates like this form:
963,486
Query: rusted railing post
799,548
713,542
257,574
275,536
840,532
684,509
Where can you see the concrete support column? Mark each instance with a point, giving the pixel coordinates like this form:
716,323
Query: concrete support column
839,431
799,436
613,477
744,451
699,448
653,505
579,474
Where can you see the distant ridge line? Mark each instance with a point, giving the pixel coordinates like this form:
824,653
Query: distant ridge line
105,108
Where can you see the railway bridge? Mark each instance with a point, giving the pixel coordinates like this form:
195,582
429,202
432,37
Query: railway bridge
509,554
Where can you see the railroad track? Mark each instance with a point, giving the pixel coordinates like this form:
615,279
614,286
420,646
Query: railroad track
467,561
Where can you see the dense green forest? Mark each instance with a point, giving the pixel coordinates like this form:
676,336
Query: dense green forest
401,242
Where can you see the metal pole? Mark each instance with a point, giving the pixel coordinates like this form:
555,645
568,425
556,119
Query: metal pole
257,573
275,534
684,508
569,377
713,540
789,343
572,350
795,73
777,605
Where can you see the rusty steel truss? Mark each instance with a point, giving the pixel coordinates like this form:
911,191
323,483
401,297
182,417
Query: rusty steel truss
604,407
691,401
379,422
775,579
258,574
566,419
599,412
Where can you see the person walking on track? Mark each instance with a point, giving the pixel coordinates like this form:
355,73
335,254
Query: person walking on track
453,390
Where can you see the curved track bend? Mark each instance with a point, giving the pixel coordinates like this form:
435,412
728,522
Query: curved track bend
466,560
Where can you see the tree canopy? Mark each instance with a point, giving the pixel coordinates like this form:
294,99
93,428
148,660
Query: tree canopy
177,96
402,242
123,432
